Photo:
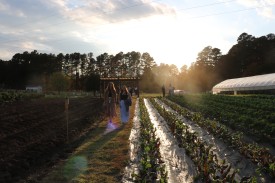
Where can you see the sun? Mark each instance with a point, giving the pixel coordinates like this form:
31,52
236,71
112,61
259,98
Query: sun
168,39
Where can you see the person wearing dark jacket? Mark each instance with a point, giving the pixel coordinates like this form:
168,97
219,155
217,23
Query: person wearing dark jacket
163,90
124,104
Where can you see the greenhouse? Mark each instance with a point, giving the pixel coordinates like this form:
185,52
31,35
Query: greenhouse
260,84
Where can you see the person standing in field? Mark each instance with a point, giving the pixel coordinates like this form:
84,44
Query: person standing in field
163,90
131,91
110,100
137,91
125,101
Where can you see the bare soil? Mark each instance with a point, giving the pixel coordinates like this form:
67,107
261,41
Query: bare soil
37,133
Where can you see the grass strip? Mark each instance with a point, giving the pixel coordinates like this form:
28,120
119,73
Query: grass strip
102,158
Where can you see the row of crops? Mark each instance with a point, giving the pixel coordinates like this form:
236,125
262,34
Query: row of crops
253,115
257,154
151,164
10,96
210,167
13,95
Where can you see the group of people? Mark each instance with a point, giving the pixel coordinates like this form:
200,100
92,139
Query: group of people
112,97
134,90
124,98
171,90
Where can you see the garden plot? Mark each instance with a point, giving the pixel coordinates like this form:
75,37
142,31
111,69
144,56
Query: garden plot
35,134
179,167
178,163
245,166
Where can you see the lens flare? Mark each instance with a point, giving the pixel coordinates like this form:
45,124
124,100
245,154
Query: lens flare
75,167
110,127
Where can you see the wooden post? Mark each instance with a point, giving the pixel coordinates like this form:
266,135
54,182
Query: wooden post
67,104
138,87
67,116
100,83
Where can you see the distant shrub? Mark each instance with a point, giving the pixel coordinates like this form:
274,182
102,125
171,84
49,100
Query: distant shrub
10,96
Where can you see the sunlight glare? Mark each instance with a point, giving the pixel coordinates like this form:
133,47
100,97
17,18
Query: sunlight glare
169,39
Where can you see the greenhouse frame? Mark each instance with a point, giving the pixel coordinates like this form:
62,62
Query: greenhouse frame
260,84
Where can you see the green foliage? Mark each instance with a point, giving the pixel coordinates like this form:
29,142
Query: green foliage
151,167
208,166
59,82
92,82
10,96
253,151
250,56
243,111
148,82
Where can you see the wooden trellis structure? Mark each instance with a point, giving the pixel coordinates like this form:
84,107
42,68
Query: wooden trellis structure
132,82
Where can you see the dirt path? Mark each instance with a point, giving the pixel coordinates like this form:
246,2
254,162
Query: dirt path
101,158
134,143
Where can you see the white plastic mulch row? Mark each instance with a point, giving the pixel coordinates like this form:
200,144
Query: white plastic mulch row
134,147
180,167
223,151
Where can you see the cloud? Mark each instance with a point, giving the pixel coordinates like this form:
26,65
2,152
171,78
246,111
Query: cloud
249,3
267,12
264,7
111,11
3,7
7,8
112,26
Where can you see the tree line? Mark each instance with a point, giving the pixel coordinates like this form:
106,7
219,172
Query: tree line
248,57
75,71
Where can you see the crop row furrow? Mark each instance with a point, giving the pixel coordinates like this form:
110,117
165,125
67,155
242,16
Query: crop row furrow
151,167
260,155
234,117
210,168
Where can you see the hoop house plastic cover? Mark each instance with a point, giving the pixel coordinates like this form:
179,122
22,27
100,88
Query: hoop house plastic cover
259,82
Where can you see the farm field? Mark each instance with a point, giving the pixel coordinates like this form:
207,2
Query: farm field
243,159
174,147
185,149
253,115
34,133
166,140
223,117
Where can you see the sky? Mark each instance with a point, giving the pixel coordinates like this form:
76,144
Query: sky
171,31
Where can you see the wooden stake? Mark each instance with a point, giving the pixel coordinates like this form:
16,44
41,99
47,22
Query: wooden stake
67,116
